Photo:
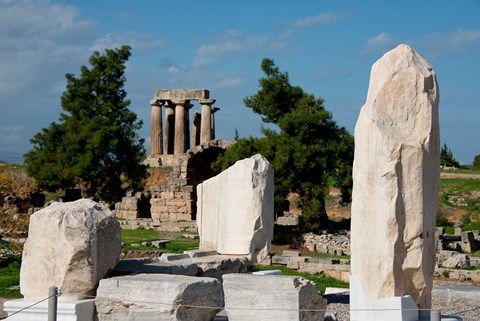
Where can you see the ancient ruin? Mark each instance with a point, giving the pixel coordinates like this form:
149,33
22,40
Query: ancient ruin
71,246
396,176
180,156
235,210
82,246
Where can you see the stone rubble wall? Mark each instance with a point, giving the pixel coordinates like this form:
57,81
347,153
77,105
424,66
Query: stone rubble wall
333,244
172,203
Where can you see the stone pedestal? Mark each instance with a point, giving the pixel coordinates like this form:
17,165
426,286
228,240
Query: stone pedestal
67,310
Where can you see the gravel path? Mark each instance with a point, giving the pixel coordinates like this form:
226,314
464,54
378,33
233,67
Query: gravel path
469,310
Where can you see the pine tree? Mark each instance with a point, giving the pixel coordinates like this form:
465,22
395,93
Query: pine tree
94,145
307,152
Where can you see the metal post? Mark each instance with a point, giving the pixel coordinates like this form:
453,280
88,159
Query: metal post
52,303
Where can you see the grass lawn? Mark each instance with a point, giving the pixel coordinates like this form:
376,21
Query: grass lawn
321,281
9,280
140,235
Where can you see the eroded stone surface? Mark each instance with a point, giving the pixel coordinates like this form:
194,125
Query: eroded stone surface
70,245
271,297
235,210
159,297
396,179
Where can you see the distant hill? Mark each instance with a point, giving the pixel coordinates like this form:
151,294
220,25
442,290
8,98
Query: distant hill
11,157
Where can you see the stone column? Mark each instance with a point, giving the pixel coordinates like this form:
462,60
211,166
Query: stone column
196,129
169,131
188,106
214,110
205,126
156,143
179,145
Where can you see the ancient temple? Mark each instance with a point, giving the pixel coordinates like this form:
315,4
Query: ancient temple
182,149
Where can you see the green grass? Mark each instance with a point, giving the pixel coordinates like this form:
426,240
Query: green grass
180,245
457,186
321,280
9,280
140,235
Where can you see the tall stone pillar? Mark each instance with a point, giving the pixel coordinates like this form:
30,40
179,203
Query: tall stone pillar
169,131
179,145
188,106
196,129
156,137
214,110
396,174
206,122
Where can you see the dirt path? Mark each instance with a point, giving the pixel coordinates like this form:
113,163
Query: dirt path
459,175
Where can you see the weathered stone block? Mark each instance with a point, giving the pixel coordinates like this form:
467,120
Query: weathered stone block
396,176
70,245
159,297
235,210
181,94
271,298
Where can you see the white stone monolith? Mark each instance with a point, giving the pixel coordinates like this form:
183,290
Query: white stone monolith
396,175
71,246
235,210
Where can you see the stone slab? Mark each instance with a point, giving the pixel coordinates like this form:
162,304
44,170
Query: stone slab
67,310
181,94
271,298
158,297
235,210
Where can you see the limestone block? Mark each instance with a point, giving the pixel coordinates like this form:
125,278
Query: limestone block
181,94
159,297
70,245
456,261
396,180
235,210
271,297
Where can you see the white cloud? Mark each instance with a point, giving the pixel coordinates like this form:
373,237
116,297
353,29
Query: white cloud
37,40
456,42
320,19
138,41
381,42
231,42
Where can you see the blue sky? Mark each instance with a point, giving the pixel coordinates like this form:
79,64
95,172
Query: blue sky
327,47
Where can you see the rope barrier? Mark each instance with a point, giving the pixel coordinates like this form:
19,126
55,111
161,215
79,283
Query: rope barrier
27,307
193,306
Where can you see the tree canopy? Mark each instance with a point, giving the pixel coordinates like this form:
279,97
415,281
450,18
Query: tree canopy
446,157
308,152
94,145
476,162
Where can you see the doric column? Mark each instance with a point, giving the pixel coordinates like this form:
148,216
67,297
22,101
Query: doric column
169,131
179,146
214,110
206,122
196,129
156,142
187,106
